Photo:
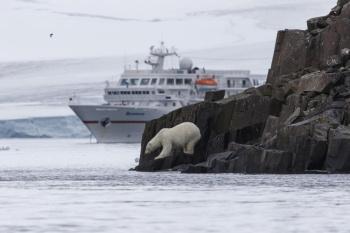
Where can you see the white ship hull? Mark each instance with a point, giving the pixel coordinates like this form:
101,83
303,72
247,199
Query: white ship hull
111,124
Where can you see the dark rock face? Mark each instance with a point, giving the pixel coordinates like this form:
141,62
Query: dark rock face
220,123
214,95
297,122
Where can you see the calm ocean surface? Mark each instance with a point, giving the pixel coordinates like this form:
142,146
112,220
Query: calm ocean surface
50,185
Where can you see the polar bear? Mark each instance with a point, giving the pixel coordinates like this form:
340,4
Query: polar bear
184,135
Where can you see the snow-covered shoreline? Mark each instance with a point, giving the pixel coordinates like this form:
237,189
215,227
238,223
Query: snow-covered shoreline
44,127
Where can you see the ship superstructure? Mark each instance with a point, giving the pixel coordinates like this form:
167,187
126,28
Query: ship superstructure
143,95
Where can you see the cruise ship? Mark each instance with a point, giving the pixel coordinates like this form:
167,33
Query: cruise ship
143,95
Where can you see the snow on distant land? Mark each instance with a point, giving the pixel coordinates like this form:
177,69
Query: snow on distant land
93,40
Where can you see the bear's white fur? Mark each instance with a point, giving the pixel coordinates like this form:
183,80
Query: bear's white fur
184,135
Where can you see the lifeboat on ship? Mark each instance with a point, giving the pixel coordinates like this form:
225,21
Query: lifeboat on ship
206,84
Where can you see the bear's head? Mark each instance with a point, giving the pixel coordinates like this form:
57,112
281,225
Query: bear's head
149,148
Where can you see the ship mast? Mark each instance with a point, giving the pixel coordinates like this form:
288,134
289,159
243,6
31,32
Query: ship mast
160,53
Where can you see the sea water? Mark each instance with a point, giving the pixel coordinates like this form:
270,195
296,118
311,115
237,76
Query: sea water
72,185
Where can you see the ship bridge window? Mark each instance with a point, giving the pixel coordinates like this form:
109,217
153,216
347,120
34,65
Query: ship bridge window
145,92
154,81
161,81
170,81
161,91
144,81
123,82
179,81
230,83
114,92
134,81
188,81
109,93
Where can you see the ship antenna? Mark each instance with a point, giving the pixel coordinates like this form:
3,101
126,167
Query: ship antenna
125,60
137,64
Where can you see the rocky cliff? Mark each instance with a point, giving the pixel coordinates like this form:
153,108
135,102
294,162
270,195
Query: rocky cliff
297,122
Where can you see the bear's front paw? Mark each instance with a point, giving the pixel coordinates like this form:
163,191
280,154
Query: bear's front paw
190,152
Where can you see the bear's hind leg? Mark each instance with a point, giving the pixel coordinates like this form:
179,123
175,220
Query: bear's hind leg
189,148
165,152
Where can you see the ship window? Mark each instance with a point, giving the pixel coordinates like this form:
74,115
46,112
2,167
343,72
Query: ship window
179,81
133,92
243,83
128,92
170,81
188,81
165,104
144,81
114,92
161,91
154,81
123,82
134,81
230,83
145,92
174,104
161,81
109,93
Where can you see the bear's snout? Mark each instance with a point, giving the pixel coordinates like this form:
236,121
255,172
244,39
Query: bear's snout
148,149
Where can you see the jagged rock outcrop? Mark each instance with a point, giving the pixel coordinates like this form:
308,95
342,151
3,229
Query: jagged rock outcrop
297,122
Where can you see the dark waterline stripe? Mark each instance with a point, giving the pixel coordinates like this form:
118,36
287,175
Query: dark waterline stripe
129,122
90,122
117,122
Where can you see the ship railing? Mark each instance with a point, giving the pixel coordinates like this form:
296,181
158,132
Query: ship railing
141,98
223,72
151,71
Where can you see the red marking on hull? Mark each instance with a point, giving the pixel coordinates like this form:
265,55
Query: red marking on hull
90,122
129,122
117,122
